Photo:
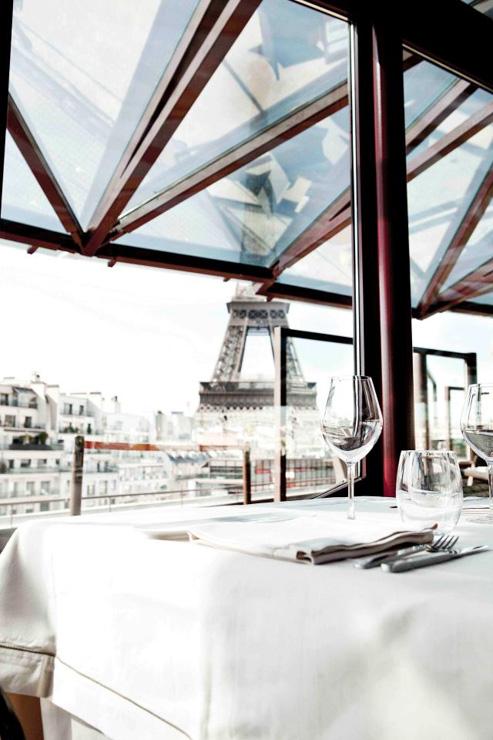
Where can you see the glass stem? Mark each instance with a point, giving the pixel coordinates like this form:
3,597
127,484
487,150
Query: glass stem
490,484
351,512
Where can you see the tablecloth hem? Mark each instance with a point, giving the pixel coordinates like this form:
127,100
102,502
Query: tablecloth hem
25,671
108,710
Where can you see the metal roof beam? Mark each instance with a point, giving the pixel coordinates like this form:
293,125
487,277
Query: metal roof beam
475,284
29,148
6,12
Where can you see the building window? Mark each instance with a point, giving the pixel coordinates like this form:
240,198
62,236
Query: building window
10,421
28,422
4,399
81,410
30,488
26,463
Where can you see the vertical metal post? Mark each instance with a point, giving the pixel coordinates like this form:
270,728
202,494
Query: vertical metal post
448,418
366,306
6,12
422,405
471,379
247,477
280,401
471,368
77,476
393,246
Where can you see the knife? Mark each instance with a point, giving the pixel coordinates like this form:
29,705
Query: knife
372,561
421,560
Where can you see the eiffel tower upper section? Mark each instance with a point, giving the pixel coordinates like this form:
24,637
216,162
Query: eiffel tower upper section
228,389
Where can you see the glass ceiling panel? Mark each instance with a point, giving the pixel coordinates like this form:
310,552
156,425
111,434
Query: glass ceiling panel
441,195
255,213
82,75
22,197
423,84
287,56
438,200
469,107
478,249
485,300
327,268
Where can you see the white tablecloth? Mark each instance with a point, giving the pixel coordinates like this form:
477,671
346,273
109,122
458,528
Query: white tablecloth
148,639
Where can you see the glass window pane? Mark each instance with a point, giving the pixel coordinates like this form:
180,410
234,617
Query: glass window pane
439,403
287,56
82,73
22,197
309,463
167,422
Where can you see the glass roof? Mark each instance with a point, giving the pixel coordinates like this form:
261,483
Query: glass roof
287,56
327,268
484,300
256,168
83,98
478,249
265,205
442,195
22,197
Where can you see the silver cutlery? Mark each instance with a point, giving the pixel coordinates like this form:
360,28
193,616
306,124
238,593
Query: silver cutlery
444,542
421,560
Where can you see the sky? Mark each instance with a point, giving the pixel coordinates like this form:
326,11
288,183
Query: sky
150,336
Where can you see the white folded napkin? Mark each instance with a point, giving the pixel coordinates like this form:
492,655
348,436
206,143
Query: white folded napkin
310,539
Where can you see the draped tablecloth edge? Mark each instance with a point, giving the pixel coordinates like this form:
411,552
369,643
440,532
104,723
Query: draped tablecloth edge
26,671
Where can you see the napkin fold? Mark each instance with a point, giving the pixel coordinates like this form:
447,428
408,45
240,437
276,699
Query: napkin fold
305,539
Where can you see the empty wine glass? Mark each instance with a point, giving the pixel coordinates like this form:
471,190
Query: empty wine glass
351,423
477,425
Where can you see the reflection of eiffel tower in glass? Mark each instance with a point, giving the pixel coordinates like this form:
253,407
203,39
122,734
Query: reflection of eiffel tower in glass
230,389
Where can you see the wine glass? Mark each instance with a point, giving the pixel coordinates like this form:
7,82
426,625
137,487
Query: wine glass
477,425
351,423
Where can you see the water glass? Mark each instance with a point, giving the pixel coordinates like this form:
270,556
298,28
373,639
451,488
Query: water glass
429,489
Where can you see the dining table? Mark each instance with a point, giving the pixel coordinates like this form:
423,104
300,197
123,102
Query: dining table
114,621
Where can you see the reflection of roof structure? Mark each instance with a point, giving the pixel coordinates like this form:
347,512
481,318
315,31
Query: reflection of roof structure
216,137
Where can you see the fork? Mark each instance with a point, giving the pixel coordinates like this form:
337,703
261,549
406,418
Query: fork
440,544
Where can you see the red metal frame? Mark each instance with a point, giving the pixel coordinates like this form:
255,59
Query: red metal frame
6,11
23,137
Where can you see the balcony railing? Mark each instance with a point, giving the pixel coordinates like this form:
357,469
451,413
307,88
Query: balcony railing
32,447
19,403
35,470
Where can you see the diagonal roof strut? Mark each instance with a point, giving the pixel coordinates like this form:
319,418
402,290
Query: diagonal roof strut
37,163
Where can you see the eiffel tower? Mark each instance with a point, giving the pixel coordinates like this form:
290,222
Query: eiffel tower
228,390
